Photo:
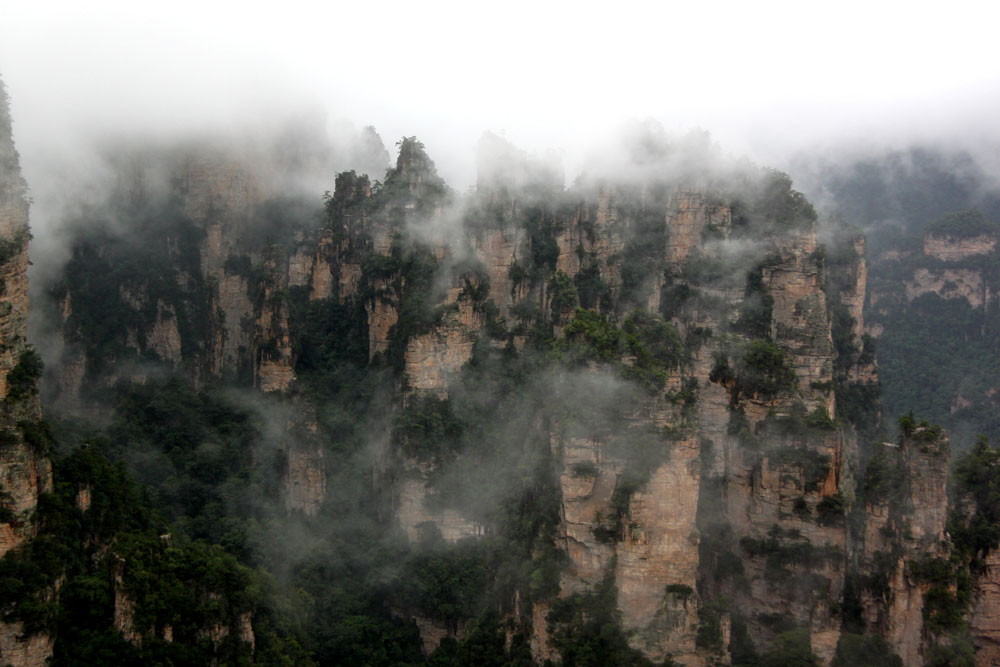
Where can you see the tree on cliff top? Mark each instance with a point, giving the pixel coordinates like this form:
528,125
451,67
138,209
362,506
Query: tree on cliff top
964,224
977,477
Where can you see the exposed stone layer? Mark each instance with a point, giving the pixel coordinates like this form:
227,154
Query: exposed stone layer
800,322
902,529
21,650
951,249
24,471
414,512
435,357
984,619
950,284
660,549
305,481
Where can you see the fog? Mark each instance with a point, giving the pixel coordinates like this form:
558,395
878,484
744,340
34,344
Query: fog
763,78
561,89
108,98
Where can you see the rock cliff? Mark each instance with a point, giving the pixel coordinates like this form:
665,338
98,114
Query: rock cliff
984,621
905,496
750,453
25,471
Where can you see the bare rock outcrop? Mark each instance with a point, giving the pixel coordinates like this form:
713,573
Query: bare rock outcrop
800,322
905,527
965,284
25,472
305,475
414,510
984,619
21,650
950,249
433,358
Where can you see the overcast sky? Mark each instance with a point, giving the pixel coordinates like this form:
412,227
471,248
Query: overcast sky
762,77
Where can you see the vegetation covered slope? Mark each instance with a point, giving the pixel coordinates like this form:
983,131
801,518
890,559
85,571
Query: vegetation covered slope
931,304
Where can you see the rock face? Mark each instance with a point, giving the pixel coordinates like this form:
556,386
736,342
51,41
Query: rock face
950,267
124,609
305,481
949,249
689,214
659,558
906,511
950,284
25,472
305,472
984,620
800,321
852,295
432,357
414,513
24,651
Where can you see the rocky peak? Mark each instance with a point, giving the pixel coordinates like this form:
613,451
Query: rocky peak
349,189
906,504
13,202
414,167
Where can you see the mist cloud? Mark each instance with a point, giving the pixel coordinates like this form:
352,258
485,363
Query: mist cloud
763,78
556,81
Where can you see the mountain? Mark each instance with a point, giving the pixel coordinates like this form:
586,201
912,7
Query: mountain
632,421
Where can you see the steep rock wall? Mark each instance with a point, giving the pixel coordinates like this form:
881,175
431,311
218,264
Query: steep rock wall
305,470
689,213
432,358
984,619
800,321
949,249
497,248
905,526
659,556
950,284
25,472
24,651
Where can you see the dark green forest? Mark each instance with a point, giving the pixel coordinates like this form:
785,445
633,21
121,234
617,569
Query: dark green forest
933,350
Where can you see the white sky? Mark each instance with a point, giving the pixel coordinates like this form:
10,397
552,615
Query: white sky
763,77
